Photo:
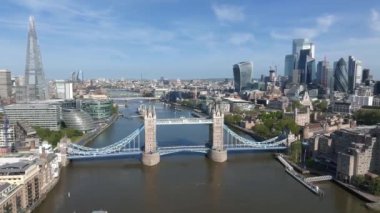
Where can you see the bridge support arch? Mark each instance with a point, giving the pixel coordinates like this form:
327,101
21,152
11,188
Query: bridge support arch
150,155
217,152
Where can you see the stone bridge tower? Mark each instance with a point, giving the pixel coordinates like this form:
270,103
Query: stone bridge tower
217,152
150,155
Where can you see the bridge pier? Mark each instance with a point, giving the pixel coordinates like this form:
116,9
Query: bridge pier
150,155
150,159
218,156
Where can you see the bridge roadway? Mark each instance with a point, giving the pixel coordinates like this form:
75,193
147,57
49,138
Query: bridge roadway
134,152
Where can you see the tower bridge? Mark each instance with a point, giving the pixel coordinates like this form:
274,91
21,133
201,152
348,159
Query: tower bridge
221,140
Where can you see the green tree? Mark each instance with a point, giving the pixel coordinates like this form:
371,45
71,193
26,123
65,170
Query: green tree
296,151
367,116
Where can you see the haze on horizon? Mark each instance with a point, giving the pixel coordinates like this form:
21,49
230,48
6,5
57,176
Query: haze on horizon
183,39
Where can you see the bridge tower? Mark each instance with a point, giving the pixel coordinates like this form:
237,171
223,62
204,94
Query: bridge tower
217,152
150,155
63,143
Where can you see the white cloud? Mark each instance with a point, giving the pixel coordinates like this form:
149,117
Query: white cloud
228,13
322,25
375,20
241,38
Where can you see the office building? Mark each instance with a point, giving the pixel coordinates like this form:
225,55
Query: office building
63,89
35,83
366,75
355,72
306,66
41,115
97,109
340,76
290,65
77,119
5,84
303,44
242,75
302,59
323,73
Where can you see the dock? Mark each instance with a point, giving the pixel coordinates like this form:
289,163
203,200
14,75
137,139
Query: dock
306,181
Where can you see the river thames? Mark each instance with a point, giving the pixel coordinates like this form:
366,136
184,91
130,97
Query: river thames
247,182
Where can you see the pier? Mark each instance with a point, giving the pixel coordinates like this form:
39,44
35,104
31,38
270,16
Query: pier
306,181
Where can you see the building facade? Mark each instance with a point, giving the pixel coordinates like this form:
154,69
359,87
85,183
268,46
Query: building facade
41,115
64,89
77,119
340,76
5,84
242,75
355,72
97,109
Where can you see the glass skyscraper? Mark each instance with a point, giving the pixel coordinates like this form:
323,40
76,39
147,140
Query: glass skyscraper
290,65
302,58
355,72
340,76
242,75
35,83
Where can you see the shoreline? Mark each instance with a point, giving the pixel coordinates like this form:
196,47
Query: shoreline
90,138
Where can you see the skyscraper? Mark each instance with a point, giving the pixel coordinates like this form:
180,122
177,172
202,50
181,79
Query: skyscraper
290,65
355,72
242,75
323,73
35,83
340,76
365,76
303,44
302,58
306,66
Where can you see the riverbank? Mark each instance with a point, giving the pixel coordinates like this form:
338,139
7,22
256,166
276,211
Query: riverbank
88,138
247,131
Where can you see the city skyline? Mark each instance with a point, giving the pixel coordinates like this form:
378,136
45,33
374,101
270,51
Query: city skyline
183,40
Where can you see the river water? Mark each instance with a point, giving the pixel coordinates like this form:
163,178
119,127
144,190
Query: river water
248,182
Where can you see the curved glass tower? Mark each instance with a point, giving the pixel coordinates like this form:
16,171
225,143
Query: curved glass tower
340,76
242,75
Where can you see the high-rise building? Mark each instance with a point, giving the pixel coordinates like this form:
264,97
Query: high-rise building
340,76
355,72
242,75
5,84
365,76
306,66
302,58
323,73
35,83
303,44
290,65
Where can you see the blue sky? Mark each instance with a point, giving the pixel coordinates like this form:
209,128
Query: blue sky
184,39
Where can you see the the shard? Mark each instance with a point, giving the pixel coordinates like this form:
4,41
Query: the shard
35,83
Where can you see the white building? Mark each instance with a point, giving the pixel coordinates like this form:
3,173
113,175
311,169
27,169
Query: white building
359,101
64,89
